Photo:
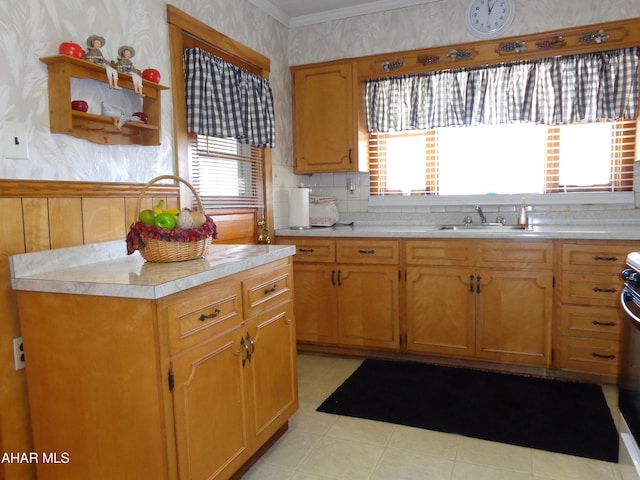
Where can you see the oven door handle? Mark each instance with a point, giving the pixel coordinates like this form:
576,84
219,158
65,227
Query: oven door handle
626,300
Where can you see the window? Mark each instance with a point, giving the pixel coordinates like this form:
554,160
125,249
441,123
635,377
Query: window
227,173
504,159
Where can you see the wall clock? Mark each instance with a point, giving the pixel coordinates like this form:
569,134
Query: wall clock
490,18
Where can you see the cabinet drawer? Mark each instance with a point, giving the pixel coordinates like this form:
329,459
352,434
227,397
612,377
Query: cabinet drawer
596,322
217,309
591,289
266,290
587,355
596,258
311,249
385,252
514,254
451,253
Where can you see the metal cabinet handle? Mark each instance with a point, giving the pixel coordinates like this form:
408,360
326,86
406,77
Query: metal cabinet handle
214,314
333,278
604,324
246,349
339,278
604,290
478,283
253,345
366,252
598,258
350,156
267,291
306,250
471,277
604,357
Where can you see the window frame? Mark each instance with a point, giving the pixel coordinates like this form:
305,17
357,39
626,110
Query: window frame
569,41
184,32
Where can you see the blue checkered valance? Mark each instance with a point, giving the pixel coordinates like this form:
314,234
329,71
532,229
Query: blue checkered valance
226,101
559,90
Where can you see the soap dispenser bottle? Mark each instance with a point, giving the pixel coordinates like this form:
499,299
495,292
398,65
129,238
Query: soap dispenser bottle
523,215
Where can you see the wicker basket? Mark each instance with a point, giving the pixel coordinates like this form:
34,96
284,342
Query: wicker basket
163,251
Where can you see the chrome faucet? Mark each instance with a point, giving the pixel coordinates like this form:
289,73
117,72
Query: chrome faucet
483,219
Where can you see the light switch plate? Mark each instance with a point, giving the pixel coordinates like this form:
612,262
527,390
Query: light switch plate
15,142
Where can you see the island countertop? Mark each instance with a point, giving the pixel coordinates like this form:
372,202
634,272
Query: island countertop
104,269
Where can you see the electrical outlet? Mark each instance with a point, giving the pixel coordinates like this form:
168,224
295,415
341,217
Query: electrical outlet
18,353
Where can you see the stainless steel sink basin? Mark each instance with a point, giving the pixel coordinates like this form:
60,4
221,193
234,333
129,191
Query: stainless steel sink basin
483,226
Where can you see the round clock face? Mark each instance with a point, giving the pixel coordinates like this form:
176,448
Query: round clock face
489,18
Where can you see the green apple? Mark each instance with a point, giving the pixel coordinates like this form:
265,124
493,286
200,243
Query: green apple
147,216
165,220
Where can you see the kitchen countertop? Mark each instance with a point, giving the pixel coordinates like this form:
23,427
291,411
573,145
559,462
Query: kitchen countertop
386,230
104,269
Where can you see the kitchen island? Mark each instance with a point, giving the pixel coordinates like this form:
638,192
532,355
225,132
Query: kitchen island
156,371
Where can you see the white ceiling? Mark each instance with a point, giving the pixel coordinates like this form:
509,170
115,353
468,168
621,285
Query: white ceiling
296,13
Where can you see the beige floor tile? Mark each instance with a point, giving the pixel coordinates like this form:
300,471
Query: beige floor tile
359,430
291,449
342,459
311,476
425,441
309,420
403,465
493,454
265,471
467,471
557,466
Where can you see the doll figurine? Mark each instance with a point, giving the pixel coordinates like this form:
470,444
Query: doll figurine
125,65
94,55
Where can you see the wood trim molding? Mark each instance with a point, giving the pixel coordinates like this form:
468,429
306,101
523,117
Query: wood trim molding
568,41
54,188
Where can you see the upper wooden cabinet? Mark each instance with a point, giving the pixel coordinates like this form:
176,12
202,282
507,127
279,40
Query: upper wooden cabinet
99,128
325,119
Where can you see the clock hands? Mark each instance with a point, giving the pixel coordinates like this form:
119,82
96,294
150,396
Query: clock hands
490,6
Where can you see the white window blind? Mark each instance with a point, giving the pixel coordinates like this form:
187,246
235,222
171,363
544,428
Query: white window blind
504,159
226,173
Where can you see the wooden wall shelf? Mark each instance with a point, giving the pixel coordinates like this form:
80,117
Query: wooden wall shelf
98,128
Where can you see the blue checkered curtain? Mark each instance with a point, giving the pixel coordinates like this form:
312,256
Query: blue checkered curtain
226,101
558,90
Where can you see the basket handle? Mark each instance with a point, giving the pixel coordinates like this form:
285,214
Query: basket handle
166,177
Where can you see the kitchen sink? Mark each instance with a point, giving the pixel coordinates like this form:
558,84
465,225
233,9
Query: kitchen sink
484,226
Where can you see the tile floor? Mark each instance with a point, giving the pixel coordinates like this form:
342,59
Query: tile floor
320,446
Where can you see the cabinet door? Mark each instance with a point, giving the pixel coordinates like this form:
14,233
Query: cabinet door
514,317
324,119
271,371
316,307
368,306
440,311
210,406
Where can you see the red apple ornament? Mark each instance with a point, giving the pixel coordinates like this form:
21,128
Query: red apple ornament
142,116
151,74
79,105
72,49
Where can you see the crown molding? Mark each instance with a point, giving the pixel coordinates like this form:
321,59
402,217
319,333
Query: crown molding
337,13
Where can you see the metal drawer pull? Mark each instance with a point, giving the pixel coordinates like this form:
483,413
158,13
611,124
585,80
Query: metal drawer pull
471,277
307,250
604,324
204,317
366,252
246,349
604,290
598,258
604,357
267,291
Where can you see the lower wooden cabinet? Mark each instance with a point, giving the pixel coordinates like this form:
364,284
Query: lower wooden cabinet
589,315
347,292
486,309
189,386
